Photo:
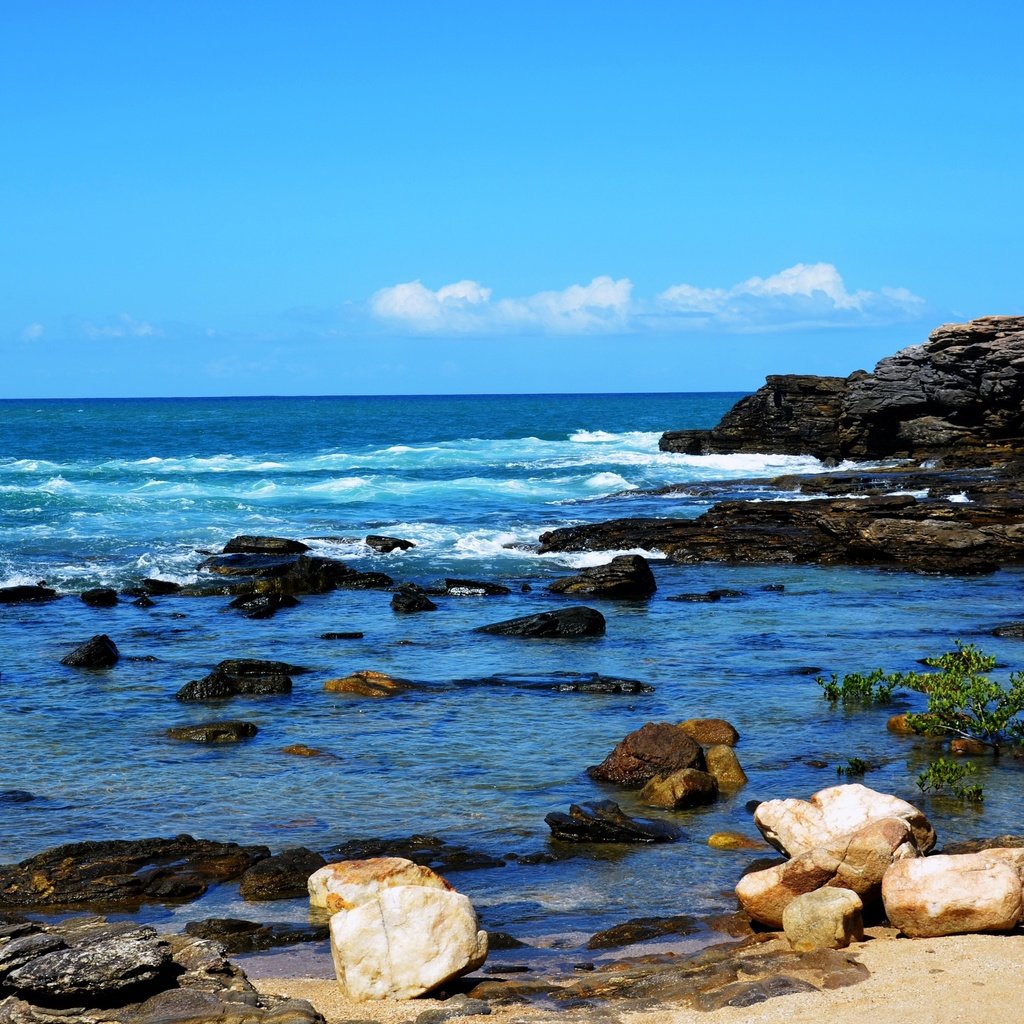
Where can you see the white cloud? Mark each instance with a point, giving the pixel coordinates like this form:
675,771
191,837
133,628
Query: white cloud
32,332
123,326
804,295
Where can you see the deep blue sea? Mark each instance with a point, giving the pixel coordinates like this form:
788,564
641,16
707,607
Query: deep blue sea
106,492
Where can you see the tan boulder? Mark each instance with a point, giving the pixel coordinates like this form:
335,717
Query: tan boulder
953,895
734,841
366,683
405,942
350,883
688,787
795,826
723,763
709,732
828,918
900,725
856,861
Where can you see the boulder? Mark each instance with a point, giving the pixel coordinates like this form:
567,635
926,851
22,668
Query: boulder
410,598
160,588
687,787
900,725
283,876
27,593
385,545
233,677
657,748
566,623
827,918
247,544
952,895
367,683
857,861
240,936
99,652
473,588
213,732
406,942
725,766
99,597
605,822
711,731
625,576
262,606
351,883
795,826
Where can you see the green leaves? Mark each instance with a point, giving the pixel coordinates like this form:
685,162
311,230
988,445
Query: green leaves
856,689
949,776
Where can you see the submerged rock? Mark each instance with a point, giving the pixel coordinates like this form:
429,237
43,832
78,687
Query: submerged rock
98,652
353,635
688,787
367,683
641,929
428,851
99,597
213,732
605,822
410,598
625,576
566,623
561,682
657,748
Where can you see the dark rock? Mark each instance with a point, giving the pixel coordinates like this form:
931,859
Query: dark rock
233,677
502,940
625,576
409,598
385,545
250,545
299,574
123,872
505,968
605,822
26,593
248,565
197,1006
301,750
160,588
709,598
99,597
749,993
657,748
99,652
566,623
341,636
774,588
1010,629
262,606
640,929
238,936
142,601
282,876
213,732
98,974
604,685
473,588
429,851
977,845
453,1009
561,682
16,796
21,949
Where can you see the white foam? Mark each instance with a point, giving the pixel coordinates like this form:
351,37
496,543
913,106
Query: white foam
959,499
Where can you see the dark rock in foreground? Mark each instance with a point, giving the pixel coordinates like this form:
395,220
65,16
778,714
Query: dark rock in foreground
124,872
410,598
605,822
25,593
213,732
99,597
250,677
657,748
239,936
282,876
626,576
566,623
99,652
385,545
256,545
640,929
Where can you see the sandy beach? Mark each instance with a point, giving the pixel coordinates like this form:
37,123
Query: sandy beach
966,979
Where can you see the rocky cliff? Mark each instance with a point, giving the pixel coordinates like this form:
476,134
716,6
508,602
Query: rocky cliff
959,396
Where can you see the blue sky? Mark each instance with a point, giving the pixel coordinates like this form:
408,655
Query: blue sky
400,197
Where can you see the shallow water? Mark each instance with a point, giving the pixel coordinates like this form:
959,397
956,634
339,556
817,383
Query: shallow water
107,492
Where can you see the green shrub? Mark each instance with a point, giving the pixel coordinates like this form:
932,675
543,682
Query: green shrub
856,689
945,775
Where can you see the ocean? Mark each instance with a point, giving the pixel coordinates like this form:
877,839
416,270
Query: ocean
105,492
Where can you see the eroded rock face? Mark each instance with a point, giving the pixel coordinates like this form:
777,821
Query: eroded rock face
625,576
657,748
953,895
856,861
405,942
827,918
796,826
351,883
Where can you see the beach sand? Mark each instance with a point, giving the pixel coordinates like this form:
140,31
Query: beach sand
963,979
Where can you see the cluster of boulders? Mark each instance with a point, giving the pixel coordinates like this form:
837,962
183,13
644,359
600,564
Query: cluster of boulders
398,929
852,849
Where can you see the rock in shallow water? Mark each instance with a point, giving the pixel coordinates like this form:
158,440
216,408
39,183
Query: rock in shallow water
257,545
367,683
657,748
213,732
385,545
26,593
605,822
99,652
99,597
240,936
625,576
283,876
409,598
564,624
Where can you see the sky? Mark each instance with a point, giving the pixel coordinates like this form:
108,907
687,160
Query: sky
398,197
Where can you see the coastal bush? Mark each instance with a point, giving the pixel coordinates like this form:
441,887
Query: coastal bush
855,766
856,689
944,775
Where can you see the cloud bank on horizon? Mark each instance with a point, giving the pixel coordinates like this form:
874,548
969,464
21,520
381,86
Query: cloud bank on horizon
801,296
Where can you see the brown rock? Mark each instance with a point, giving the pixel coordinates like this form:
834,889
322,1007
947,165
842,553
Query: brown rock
734,841
827,918
657,748
688,787
965,746
367,683
725,766
900,725
709,732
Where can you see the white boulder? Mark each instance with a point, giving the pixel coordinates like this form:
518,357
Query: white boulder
350,883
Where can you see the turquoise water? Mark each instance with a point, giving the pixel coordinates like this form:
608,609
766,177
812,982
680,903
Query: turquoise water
105,492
